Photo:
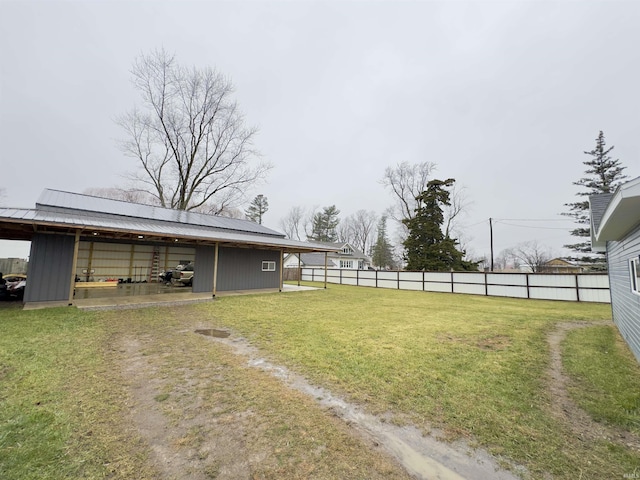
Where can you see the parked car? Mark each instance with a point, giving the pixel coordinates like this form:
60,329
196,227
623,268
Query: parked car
15,290
14,277
183,274
13,286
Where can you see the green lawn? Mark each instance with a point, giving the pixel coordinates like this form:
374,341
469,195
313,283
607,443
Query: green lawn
474,367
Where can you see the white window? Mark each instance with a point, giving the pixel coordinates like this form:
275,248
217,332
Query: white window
347,251
346,263
268,266
634,271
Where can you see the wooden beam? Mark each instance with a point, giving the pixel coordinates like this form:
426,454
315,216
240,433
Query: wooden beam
281,269
215,271
74,264
325,270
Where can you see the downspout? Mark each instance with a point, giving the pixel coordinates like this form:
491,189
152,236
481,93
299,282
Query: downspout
74,265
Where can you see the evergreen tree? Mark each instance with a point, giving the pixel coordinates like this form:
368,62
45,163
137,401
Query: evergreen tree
257,209
602,175
426,247
381,252
325,224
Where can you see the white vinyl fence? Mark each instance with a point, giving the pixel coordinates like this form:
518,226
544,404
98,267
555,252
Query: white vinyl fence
575,287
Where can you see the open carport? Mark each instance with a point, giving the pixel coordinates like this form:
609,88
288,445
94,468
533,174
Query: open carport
80,241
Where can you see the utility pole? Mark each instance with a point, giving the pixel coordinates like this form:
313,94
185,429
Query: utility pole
491,237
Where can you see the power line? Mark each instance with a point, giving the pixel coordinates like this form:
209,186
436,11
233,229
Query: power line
535,227
535,219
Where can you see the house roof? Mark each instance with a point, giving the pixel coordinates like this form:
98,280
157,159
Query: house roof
64,212
556,262
614,215
338,246
315,259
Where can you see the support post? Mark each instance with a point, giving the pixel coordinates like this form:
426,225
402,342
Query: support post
491,239
281,269
215,271
131,279
300,268
74,264
325,270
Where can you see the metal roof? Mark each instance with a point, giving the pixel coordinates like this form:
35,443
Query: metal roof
58,199
128,222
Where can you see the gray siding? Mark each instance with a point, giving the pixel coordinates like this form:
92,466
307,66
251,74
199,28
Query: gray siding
624,303
49,273
203,273
241,269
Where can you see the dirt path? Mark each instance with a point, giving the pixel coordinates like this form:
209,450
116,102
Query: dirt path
189,437
203,437
564,408
422,456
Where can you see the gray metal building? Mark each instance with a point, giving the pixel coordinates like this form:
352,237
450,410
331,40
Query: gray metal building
77,238
615,229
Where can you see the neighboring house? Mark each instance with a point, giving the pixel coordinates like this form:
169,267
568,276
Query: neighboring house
560,265
345,257
309,260
78,237
615,229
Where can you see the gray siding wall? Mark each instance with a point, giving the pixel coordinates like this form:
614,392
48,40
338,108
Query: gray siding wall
203,273
241,269
49,273
624,303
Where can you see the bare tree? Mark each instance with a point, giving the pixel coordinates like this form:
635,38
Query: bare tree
407,182
532,254
124,194
190,137
458,206
505,260
359,229
345,231
293,223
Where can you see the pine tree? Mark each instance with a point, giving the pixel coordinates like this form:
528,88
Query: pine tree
426,247
381,252
325,224
257,209
602,175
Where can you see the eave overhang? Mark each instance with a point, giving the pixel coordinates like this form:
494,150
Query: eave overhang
23,224
620,217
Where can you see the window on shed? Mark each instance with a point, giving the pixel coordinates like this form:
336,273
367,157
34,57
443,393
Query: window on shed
347,250
346,263
634,271
268,266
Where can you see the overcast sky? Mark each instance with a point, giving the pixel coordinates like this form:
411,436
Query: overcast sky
502,96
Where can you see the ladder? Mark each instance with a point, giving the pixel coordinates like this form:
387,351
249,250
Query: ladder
155,265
